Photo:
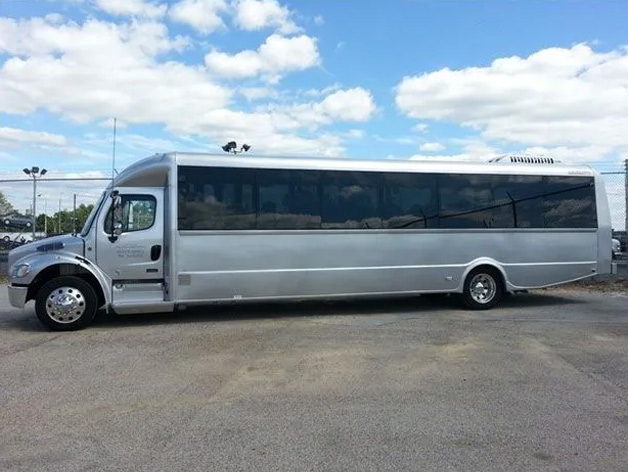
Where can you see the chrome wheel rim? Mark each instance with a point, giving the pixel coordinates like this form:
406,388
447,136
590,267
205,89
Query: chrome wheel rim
65,304
483,288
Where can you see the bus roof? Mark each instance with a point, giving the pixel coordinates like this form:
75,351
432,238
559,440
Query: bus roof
153,171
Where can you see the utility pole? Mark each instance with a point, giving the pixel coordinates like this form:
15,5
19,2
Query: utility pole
74,222
46,217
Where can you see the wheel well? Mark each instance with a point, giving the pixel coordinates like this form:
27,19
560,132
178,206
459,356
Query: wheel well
59,270
495,270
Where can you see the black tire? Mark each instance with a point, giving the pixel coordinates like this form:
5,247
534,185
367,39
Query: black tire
6,239
80,296
483,289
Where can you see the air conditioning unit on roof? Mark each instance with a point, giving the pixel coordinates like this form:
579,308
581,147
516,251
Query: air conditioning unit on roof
525,160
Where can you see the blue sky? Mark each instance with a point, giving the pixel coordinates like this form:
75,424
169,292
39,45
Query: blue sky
375,79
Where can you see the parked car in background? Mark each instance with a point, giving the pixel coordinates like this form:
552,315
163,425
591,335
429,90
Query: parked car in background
15,239
616,246
16,221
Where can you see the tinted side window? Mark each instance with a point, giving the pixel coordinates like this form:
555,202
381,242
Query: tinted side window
409,201
469,201
350,200
516,201
569,202
523,195
213,198
288,199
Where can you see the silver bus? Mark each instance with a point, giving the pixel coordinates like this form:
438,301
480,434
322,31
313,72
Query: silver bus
180,229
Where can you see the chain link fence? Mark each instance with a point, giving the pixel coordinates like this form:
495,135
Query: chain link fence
61,205
616,183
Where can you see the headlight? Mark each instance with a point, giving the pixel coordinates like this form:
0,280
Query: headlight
20,270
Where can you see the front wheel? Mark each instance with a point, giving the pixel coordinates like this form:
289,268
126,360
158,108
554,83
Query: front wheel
482,289
66,304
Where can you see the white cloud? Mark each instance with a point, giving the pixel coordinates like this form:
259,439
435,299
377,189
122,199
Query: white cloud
355,133
140,8
421,127
275,57
568,154
54,18
108,123
355,104
351,105
405,140
322,92
319,20
14,137
148,145
273,128
202,15
254,15
93,71
557,97
325,145
472,151
92,43
269,132
431,147
100,70
257,93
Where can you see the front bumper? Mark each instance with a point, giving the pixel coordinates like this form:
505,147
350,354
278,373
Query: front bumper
17,296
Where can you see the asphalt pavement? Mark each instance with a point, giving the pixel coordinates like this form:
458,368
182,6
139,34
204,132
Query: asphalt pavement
539,384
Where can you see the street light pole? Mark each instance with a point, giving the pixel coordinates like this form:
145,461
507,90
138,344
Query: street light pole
46,217
35,174
34,206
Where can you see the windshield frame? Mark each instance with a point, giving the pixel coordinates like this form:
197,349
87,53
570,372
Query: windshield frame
92,216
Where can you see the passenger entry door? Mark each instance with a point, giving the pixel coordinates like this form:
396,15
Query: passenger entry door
136,255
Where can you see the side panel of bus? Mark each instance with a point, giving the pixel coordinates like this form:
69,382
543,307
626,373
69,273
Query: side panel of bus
248,265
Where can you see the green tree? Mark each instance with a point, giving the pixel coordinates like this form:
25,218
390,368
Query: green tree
66,219
5,205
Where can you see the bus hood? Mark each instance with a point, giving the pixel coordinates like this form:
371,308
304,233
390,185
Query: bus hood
66,243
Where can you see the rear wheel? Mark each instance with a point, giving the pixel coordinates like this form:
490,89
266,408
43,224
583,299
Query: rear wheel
483,289
66,304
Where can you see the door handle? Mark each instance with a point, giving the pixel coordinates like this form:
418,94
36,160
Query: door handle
155,252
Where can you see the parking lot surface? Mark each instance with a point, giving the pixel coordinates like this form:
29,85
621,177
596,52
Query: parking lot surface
540,384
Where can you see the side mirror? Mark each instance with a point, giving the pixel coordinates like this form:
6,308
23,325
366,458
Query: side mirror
116,216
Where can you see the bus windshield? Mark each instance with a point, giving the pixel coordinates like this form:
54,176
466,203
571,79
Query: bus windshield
92,215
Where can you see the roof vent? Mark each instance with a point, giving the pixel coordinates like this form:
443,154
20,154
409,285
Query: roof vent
525,160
